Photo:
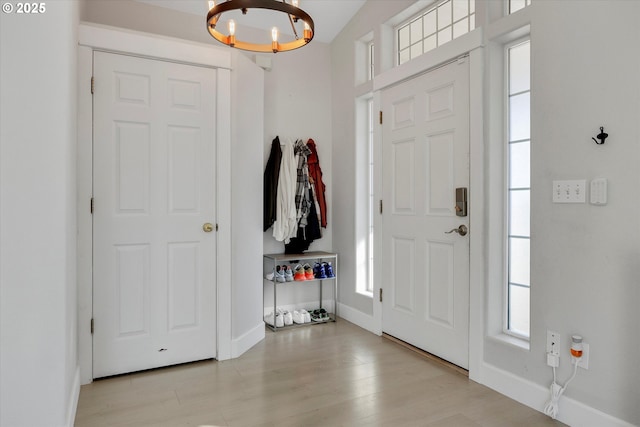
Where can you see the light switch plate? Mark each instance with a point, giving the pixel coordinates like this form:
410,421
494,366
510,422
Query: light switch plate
569,191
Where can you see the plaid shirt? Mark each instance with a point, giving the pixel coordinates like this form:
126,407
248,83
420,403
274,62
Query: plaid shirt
303,203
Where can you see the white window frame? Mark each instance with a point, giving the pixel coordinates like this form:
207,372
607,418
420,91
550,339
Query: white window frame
371,185
506,215
364,202
370,60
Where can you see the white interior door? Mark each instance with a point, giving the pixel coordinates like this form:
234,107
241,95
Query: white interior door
154,187
425,145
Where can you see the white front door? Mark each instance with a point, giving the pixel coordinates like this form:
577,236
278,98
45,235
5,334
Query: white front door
425,279
154,289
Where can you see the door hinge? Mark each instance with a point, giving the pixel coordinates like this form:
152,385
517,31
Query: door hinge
91,207
380,206
92,326
92,85
380,294
380,116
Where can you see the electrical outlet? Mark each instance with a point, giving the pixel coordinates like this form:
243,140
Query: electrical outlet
553,343
584,360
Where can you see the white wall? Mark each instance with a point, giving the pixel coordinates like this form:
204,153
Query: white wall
297,105
38,351
585,269
247,83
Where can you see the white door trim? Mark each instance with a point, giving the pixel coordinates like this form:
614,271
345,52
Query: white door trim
472,44
93,37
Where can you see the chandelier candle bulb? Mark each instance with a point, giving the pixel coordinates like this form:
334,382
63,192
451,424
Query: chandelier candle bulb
307,32
212,4
274,37
576,346
231,40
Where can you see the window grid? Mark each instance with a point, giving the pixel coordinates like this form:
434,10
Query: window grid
436,26
516,5
518,190
369,283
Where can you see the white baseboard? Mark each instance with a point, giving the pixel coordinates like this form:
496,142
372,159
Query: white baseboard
243,343
571,411
365,321
74,396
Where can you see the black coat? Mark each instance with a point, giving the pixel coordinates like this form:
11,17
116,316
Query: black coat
271,174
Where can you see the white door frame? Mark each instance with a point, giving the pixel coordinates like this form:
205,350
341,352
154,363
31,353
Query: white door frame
94,37
471,44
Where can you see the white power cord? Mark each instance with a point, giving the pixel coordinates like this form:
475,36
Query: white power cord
551,408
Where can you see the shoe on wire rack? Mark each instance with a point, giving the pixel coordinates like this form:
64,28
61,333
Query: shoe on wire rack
320,315
328,269
308,272
279,274
298,273
279,323
288,274
288,318
318,271
306,317
315,316
298,317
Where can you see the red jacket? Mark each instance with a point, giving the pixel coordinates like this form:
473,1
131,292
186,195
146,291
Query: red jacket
315,175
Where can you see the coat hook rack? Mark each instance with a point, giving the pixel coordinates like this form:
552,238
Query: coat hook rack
601,136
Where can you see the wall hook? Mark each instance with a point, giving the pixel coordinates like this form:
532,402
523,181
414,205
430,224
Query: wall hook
601,136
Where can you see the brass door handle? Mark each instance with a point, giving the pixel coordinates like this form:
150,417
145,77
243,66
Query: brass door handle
207,227
462,230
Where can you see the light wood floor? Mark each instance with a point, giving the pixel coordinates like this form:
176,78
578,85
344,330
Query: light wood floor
334,374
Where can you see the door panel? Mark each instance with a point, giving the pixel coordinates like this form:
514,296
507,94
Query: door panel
425,157
154,188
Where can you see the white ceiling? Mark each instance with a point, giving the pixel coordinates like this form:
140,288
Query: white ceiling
329,16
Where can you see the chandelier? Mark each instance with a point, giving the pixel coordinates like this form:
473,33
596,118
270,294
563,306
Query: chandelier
292,10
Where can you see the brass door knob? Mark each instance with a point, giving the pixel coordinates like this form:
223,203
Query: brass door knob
207,227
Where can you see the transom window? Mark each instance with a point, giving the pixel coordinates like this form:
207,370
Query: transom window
436,26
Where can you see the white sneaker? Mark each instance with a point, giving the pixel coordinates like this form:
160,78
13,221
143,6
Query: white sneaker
297,317
279,274
279,319
288,318
306,317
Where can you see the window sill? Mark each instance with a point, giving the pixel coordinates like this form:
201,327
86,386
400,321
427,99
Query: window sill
512,341
365,294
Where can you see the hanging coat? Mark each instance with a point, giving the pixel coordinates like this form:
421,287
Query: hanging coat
303,203
286,224
305,235
270,189
315,175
